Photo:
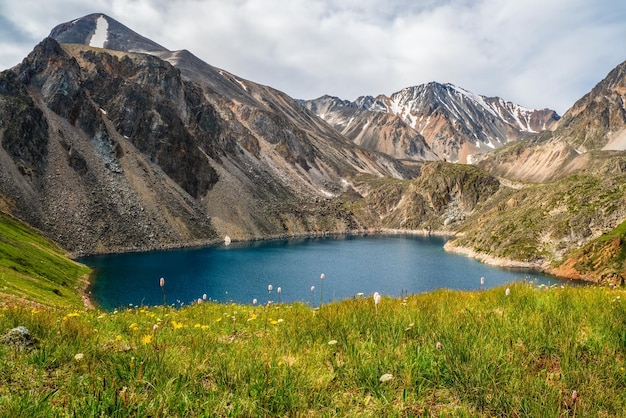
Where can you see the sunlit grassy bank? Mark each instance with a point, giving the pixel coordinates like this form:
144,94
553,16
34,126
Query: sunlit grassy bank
35,269
444,353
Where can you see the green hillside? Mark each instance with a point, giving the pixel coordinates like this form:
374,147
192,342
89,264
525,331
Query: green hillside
36,269
549,222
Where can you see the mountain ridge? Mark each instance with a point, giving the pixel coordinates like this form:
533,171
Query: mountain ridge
450,122
596,122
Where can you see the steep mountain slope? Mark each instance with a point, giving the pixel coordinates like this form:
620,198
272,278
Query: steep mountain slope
438,121
571,220
113,150
598,120
594,123
380,131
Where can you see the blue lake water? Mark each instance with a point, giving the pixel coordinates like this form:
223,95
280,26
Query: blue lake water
241,272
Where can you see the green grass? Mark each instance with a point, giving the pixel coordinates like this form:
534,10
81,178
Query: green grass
36,269
517,355
545,221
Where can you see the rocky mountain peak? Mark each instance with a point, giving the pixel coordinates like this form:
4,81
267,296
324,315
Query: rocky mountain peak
596,122
370,103
454,123
101,31
598,119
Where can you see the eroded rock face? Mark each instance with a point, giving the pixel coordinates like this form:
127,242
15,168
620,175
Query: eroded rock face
598,119
23,129
68,171
596,122
439,199
151,105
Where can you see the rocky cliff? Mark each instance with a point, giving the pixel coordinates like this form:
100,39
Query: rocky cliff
595,123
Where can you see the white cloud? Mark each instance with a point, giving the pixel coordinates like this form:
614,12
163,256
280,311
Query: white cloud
537,53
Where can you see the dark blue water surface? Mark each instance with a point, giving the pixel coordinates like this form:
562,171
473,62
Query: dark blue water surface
390,265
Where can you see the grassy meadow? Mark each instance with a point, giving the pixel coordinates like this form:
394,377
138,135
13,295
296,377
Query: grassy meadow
536,351
445,353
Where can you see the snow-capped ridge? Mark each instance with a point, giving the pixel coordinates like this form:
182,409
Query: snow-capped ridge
456,101
456,123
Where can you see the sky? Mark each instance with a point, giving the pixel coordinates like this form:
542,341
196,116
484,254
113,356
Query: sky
536,53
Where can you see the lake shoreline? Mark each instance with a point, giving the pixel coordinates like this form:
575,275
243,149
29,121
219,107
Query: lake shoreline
539,266
391,262
218,241
448,246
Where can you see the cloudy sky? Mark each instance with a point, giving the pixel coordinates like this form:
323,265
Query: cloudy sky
537,53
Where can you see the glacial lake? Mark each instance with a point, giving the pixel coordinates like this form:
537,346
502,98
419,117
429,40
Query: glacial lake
392,265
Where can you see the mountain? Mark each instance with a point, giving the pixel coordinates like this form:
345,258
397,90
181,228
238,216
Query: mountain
133,146
596,122
432,121
566,209
110,142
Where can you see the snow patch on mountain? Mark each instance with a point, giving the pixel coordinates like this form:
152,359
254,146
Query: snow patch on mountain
233,79
513,113
101,34
474,97
453,122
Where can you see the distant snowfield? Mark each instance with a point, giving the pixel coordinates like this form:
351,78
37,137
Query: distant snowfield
102,33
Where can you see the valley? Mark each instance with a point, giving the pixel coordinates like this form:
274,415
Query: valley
134,147
111,143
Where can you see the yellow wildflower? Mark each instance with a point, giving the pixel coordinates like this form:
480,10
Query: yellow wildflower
177,325
133,327
70,315
146,339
